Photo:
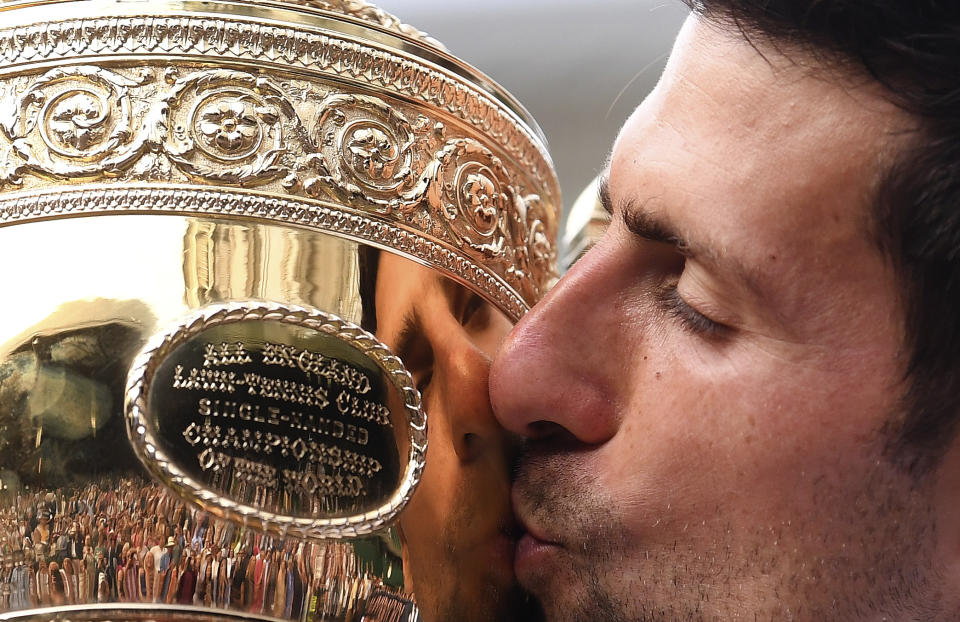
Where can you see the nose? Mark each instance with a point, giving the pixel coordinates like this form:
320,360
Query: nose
557,370
466,368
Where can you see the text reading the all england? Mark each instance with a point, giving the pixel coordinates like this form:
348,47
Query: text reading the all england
316,363
222,354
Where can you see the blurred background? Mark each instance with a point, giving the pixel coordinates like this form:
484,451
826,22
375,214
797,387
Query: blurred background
580,67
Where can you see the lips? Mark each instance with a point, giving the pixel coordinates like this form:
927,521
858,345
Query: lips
533,557
533,532
534,547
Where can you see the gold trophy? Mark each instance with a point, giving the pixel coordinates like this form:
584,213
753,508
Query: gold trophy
256,258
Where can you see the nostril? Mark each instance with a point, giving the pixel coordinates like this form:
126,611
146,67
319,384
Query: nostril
550,437
538,430
471,441
471,447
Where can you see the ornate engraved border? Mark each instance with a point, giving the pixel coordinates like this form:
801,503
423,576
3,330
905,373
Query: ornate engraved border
198,201
218,127
144,442
325,55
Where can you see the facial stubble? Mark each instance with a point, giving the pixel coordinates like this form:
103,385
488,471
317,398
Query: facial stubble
870,551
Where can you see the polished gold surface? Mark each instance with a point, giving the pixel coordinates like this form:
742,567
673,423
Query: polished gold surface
258,256
70,461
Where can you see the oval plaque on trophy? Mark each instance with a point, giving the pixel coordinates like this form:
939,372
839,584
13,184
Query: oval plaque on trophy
293,420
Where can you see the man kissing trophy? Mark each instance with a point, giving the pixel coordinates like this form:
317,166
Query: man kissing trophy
250,250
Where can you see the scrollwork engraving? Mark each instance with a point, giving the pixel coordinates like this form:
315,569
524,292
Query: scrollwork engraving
533,253
471,190
226,127
230,127
318,53
367,152
73,122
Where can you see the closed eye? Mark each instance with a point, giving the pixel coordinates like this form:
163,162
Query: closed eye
690,318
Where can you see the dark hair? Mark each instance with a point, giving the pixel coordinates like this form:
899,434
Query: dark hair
912,48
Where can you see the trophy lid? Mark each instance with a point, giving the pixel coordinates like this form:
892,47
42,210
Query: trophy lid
325,114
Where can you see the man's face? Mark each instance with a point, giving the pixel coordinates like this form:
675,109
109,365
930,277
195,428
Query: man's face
705,391
456,531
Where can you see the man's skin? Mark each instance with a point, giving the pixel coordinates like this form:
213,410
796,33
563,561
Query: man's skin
706,392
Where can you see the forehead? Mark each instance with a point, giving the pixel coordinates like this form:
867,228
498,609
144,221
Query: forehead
767,160
756,136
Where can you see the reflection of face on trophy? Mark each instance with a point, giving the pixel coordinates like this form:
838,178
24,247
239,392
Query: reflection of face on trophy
456,530
263,255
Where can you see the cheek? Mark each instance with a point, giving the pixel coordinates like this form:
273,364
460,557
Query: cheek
750,432
442,472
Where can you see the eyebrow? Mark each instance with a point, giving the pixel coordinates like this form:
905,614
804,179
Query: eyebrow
646,226
409,331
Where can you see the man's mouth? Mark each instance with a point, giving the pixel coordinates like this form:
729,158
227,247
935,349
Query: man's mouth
534,546
533,555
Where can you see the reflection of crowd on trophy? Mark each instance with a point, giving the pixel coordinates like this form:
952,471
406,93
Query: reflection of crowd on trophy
129,541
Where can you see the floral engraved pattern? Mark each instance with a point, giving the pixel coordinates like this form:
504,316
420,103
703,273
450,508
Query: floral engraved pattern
77,120
481,195
318,54
229,126
71,122
225,127
471,190
534,253
367,152
372,152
